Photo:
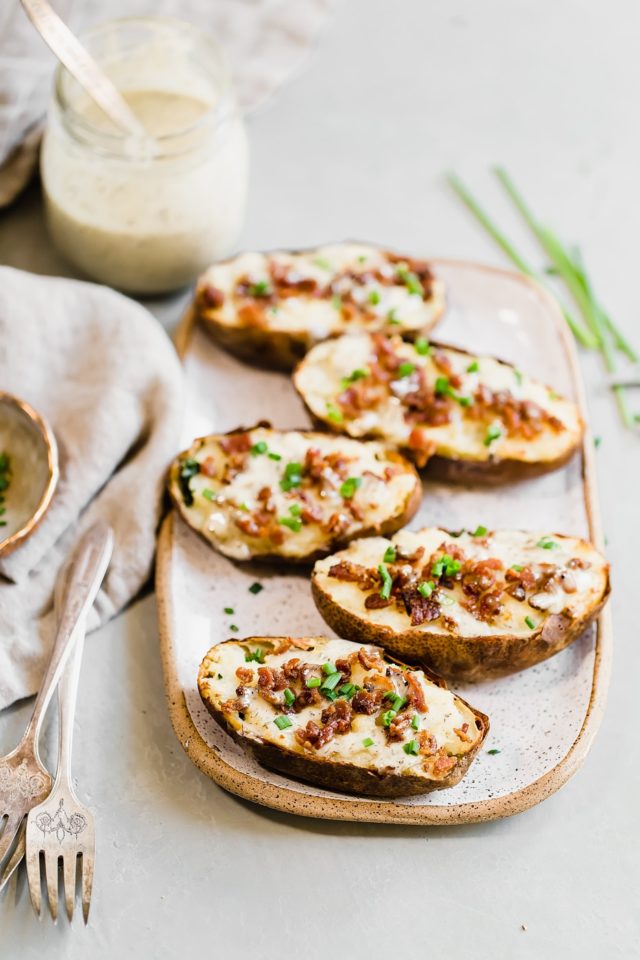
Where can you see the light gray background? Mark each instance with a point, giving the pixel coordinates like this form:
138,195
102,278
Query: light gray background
355,146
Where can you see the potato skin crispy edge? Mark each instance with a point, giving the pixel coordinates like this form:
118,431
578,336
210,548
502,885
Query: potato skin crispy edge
343,777
459,658
387,528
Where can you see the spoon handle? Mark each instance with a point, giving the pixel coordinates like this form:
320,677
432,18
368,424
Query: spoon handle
81,65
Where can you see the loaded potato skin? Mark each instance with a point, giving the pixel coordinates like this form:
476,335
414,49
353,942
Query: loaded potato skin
271,308
472,605
341,715
469,418
290,495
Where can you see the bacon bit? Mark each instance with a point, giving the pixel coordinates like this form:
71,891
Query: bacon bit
338,524
354,573
375,602
236,443
485,607
421,609
271,679
422,447
311,736
209,467
428,743
344,666
311,512
443,363
522,418
336,719
245,674
397,727
370,659
411,558
480,576
415,694
314,463
575,563
210,296
291,668
444,764
236,704
366,701
251,314
338,715
461,733
526,577
305,698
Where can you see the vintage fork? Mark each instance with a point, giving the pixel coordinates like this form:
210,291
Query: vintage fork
24,781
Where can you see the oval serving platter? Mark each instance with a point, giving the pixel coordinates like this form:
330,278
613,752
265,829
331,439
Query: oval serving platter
543,720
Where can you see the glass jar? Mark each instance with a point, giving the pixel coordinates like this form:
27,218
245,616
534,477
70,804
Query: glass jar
147,216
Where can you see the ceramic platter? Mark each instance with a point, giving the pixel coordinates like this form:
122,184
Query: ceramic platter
543,720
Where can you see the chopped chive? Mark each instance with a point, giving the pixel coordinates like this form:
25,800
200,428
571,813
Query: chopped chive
274,456
329,668
517,567
295,509
425,588
405,370
547,543
387,717
390,554
349,487
282,722
292,476
529,622
392,317
208,494
358,374
362,258
4,462
334,413
367,742
493,433
412,747
518,377
473,367
260,289
331,681
289,697
293,523
493,751
257,655
387,581
442,385
322,263
411,281
313,682
229,610
258,448
415,721
597,441
423,347
233,628
336,302
446,565
347,690
480,532
255,587
374,298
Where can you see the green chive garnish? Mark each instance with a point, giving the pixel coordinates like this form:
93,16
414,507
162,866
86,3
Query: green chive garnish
329,668
259,447
480,532
229,610
293,523
208,494
406,369
359,374
411,281
492,434
292,476
331,682
547,543
367,742
390,554
349,487
257,655
387,717
313,682
493,752
412,747
415,721
233,628
256,587
422,346
322,263
260,289
425,588
282,723
289,697
387,582
517,567
473,367
334,413
529,622
274,456
392,317
374,297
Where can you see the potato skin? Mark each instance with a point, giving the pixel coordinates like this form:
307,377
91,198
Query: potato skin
462,659
348,777
389,527
490,472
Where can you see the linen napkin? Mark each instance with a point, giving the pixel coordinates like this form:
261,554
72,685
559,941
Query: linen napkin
265,41
103,372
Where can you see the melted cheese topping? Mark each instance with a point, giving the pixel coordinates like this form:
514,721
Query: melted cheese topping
319,380
217,504
509,546
383,305
218,683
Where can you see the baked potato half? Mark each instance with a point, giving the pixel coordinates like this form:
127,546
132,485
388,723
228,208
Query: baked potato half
340,715
473,418
470,605
270,308
291,495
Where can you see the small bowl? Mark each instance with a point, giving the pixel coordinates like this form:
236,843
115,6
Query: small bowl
28,441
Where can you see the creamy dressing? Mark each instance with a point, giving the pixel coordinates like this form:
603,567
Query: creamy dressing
319,380
138,221
509,546
445,711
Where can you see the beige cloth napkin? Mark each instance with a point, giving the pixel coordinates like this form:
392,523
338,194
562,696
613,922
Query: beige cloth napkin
265,41
106,376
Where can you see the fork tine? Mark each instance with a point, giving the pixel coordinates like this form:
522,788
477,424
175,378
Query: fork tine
69,864
16,856
34,879
51,871
11,827
87,883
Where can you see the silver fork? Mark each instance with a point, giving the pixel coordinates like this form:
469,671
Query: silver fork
24,781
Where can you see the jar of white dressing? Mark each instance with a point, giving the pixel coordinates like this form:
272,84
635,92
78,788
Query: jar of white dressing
147,215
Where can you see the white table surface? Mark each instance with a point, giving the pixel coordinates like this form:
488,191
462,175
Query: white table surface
355,146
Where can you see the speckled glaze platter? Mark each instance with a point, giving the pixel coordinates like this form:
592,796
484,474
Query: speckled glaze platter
543,720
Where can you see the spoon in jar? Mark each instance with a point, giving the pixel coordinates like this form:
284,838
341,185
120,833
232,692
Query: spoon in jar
82,66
